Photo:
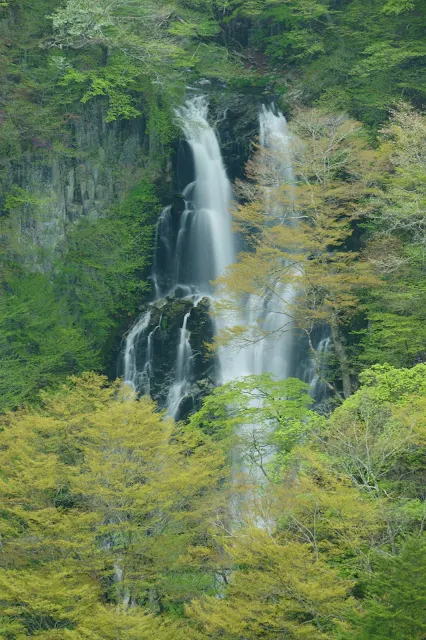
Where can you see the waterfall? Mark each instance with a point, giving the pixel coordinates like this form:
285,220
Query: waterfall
279,351
210,246
272,312
274,135
137,332
189,254
314,370
183,370
196,246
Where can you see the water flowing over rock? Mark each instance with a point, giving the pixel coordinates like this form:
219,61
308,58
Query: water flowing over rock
283,351
272,313
192,249
210,242
165,353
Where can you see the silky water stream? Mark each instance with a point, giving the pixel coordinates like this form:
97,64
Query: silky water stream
196,246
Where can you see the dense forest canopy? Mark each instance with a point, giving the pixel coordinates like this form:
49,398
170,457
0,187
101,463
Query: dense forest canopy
115,520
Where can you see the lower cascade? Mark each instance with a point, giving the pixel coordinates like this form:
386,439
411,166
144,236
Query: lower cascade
193,248
183,369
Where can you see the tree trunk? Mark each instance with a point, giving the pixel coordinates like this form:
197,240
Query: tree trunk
340,350
104,58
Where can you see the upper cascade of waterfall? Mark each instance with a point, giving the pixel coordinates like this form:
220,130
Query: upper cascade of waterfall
210,243
193,248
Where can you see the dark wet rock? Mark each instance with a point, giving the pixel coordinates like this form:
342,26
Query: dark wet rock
160,341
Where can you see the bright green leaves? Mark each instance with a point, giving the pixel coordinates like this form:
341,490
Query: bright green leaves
382,56
395,385
19,197
377,439
118,80
372,53
39,342
258,414
106,517
396,7
193,24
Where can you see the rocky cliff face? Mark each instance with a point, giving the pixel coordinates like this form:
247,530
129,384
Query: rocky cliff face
53,186
155,352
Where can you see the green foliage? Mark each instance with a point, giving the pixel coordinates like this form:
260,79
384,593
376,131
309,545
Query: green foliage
20,197
167,42
395,609
280,588
115,523
115,80
258,413
105,504
391,384
105,518
51,328
40,343
398,6
103,274
396,310
344,515
394,339
370,54
302,242
233,404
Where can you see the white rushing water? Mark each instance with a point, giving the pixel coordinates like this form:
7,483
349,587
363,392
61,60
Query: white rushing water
196,247
181,385
272,313
189,258
210,243
131,373
316,367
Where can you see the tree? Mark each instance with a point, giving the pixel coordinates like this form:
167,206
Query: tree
376,440
301,241
263,418
396,245
40,343
278,589
161,38
404,187
398,6
395,608
102,267
105,511
112,23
